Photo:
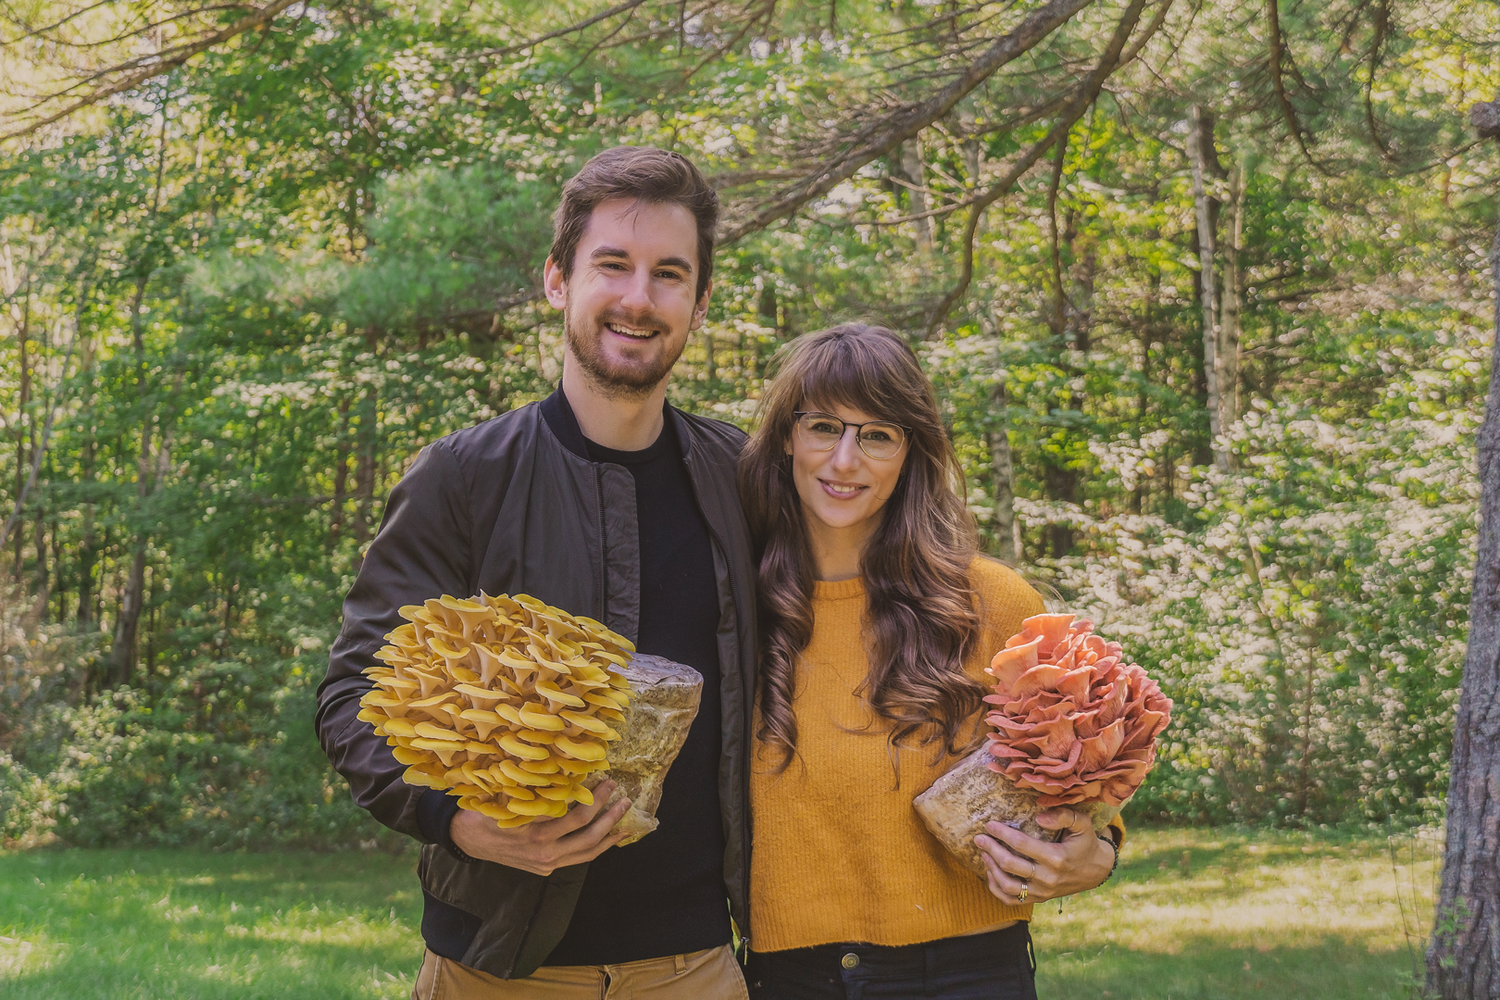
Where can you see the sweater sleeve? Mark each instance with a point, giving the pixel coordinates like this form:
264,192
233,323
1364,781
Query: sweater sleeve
1004,600
421,551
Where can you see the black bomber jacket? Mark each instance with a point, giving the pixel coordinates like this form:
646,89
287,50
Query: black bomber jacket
514,505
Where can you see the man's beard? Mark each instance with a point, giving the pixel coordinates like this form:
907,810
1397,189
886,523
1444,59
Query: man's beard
617,380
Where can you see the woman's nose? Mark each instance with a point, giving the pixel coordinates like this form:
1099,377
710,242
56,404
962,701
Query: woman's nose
846,454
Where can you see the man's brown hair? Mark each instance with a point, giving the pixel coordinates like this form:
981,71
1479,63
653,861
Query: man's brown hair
643,173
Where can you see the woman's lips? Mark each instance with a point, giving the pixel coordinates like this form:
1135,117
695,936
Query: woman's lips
842,491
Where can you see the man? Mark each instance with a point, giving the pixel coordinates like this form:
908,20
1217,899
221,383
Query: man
606,502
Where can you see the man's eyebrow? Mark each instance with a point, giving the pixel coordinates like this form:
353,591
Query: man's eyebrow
608,251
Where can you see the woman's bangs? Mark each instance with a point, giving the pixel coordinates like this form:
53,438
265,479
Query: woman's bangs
854,378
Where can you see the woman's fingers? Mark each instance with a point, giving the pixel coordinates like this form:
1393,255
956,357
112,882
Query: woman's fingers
1033,861
1005,886
1043,852
1063,818
1008,860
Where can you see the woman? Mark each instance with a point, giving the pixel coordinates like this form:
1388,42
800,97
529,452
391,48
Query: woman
878,617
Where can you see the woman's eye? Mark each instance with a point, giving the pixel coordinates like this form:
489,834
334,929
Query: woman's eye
877,436
824,427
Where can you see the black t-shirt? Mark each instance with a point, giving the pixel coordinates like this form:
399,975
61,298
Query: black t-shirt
664,894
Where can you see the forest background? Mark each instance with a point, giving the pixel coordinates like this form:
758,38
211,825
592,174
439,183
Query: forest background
1202,286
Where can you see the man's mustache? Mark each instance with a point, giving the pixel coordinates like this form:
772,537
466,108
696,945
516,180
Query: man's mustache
648,321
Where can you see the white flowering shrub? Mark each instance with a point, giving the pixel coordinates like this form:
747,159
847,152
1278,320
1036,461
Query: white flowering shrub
1308,612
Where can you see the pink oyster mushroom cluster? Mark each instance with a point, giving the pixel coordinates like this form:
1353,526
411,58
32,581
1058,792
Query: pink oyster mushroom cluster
1073,721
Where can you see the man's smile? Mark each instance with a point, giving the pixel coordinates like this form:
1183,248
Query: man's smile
633,332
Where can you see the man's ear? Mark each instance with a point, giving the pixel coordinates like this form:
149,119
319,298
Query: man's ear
700,310
555,284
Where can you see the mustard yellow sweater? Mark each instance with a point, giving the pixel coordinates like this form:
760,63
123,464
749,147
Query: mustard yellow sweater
839,852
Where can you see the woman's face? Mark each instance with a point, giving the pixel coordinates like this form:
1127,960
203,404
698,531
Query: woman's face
843,488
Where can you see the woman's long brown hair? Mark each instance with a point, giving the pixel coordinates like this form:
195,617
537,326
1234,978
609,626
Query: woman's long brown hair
920,621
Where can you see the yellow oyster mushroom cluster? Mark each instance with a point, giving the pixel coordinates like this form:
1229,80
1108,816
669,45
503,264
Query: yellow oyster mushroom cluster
505,702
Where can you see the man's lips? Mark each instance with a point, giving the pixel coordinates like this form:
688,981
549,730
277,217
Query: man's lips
630,332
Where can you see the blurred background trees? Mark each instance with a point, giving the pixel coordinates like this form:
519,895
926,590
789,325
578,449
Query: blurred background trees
1202,286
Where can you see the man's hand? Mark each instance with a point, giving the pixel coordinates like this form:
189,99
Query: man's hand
544,845
1023,869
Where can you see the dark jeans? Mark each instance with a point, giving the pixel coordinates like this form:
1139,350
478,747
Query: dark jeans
993,966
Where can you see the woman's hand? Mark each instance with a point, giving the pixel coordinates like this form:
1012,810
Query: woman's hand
1023,869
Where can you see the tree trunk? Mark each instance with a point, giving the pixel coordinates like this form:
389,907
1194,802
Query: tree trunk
88,551
1463,958
915,174
1007,534
122,650
42,582
340,473
1234,298
364,468
22,416
1199,143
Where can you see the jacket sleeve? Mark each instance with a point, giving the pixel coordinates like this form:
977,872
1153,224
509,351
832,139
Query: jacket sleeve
422,551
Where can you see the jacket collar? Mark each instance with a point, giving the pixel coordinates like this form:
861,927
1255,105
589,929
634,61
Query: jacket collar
564,424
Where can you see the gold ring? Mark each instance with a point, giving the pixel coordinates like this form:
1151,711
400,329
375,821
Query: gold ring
1021,896
1033,871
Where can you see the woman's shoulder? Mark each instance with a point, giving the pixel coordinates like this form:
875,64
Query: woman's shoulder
1003,598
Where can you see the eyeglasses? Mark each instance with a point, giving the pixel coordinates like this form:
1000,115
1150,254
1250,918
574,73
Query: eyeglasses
880,439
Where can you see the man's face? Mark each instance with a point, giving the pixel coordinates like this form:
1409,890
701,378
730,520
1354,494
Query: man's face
629,304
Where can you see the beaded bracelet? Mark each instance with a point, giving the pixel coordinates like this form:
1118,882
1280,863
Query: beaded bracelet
1110,840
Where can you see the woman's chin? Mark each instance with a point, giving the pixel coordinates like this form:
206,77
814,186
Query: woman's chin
839,518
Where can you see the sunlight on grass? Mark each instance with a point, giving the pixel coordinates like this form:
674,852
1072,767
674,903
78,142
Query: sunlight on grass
158,924
1206,914
1191,915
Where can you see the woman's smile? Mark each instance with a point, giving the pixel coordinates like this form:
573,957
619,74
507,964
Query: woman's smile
842,491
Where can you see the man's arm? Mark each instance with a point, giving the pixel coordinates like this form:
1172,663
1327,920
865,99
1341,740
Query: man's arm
422,551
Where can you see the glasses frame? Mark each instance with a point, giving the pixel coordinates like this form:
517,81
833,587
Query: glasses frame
845,425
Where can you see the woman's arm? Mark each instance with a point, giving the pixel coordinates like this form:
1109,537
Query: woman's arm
1023,869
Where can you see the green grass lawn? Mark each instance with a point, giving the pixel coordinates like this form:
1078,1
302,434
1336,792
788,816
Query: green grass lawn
1202,915
1190,914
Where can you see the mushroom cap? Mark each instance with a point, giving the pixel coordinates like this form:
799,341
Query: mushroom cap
504,702
1072,721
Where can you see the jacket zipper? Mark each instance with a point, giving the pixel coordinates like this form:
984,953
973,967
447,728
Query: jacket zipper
603,579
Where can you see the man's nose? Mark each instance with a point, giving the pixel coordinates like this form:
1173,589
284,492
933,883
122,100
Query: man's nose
636,296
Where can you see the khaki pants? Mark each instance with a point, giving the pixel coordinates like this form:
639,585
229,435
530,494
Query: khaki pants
698,975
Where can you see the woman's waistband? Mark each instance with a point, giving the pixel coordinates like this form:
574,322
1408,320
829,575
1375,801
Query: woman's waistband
1007,946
